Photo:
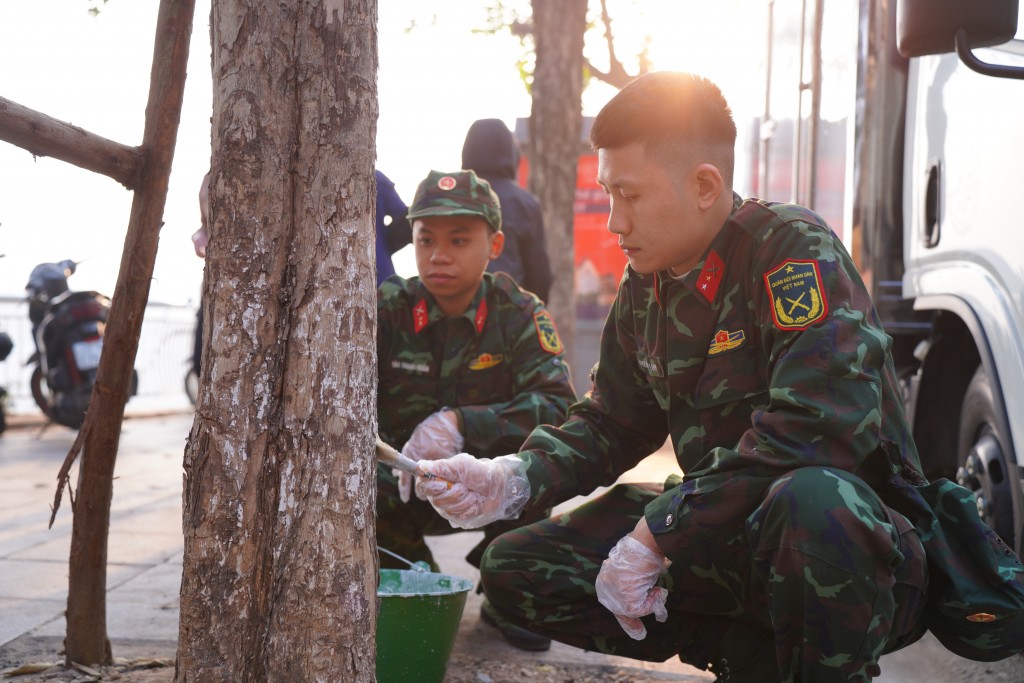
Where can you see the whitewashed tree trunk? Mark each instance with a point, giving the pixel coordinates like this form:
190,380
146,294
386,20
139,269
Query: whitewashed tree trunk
280,552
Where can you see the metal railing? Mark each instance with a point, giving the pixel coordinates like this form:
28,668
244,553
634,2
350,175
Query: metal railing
164,355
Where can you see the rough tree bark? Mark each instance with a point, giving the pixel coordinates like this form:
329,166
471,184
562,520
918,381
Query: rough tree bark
280,568
553,149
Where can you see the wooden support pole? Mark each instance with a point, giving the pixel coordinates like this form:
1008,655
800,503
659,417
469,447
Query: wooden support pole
45,136
86,640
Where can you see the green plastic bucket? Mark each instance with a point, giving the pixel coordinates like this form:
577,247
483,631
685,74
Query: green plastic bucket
416,626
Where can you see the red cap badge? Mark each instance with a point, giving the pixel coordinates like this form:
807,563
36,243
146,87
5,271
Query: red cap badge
446,183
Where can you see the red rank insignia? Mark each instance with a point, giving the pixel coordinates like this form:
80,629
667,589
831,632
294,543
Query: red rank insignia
419,316
481,316
711,276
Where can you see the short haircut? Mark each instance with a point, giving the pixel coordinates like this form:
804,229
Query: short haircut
679,117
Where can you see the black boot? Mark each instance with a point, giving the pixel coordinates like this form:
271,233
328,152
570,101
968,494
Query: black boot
516,636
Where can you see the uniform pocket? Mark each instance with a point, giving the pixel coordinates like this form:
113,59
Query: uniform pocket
728,379
487,381
910,590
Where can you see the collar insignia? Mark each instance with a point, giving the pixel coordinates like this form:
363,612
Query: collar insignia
419,316
711,276
481,316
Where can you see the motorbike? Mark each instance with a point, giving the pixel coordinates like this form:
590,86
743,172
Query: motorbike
6,345
67,327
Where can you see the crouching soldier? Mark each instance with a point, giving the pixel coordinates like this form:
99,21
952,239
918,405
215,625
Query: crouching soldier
467,361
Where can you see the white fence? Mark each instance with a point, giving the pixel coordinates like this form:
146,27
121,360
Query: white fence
164,356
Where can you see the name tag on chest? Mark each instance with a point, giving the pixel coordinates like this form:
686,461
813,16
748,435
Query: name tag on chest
409,366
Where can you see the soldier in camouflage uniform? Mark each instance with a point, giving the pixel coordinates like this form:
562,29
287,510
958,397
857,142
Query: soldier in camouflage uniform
743,333
466,360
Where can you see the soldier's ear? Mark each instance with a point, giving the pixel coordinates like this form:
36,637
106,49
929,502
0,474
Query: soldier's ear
497,245
709,185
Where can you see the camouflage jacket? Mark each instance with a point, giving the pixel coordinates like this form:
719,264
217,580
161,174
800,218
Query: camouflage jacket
768,356
500,365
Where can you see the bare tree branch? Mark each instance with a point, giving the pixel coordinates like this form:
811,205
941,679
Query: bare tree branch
45,136
616,75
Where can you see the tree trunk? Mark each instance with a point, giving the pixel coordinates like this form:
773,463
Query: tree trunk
280,568
555,121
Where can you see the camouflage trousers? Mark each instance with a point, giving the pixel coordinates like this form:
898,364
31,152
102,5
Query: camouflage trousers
817,583
401,527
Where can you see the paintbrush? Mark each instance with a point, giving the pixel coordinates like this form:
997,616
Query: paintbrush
389,456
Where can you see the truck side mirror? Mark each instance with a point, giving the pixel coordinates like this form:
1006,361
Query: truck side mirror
928,27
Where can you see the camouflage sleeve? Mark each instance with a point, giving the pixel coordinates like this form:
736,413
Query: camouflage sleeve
617,424
826,352
542,392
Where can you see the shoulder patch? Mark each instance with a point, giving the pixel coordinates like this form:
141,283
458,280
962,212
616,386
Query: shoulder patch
546,332
795,293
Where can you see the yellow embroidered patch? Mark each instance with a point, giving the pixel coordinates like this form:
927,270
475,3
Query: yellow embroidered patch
546,332
486,360
726,341
796,295
981,617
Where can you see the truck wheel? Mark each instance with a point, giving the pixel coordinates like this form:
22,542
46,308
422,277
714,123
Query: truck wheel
983,463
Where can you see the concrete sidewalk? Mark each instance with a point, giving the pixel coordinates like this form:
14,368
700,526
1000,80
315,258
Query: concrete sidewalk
145,556
145,542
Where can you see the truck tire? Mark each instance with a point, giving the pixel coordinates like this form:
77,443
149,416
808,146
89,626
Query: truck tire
983,458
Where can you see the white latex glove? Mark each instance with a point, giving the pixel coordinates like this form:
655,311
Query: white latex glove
473,492
436,437
625,585
201,237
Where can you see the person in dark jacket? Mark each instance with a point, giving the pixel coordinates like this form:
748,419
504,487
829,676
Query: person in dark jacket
394,235
491,152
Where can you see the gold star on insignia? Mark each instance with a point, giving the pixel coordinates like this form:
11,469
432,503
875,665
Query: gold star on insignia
789,269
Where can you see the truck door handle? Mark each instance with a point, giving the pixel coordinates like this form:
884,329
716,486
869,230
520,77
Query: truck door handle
932,217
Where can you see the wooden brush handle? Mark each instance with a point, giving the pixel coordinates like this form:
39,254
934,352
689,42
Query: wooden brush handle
389,456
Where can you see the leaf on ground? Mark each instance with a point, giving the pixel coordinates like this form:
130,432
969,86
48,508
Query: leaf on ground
87,670
148,663
31,668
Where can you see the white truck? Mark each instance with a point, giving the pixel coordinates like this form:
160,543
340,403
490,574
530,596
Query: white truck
902,122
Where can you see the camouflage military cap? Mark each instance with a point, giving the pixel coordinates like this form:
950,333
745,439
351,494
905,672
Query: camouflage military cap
461,193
